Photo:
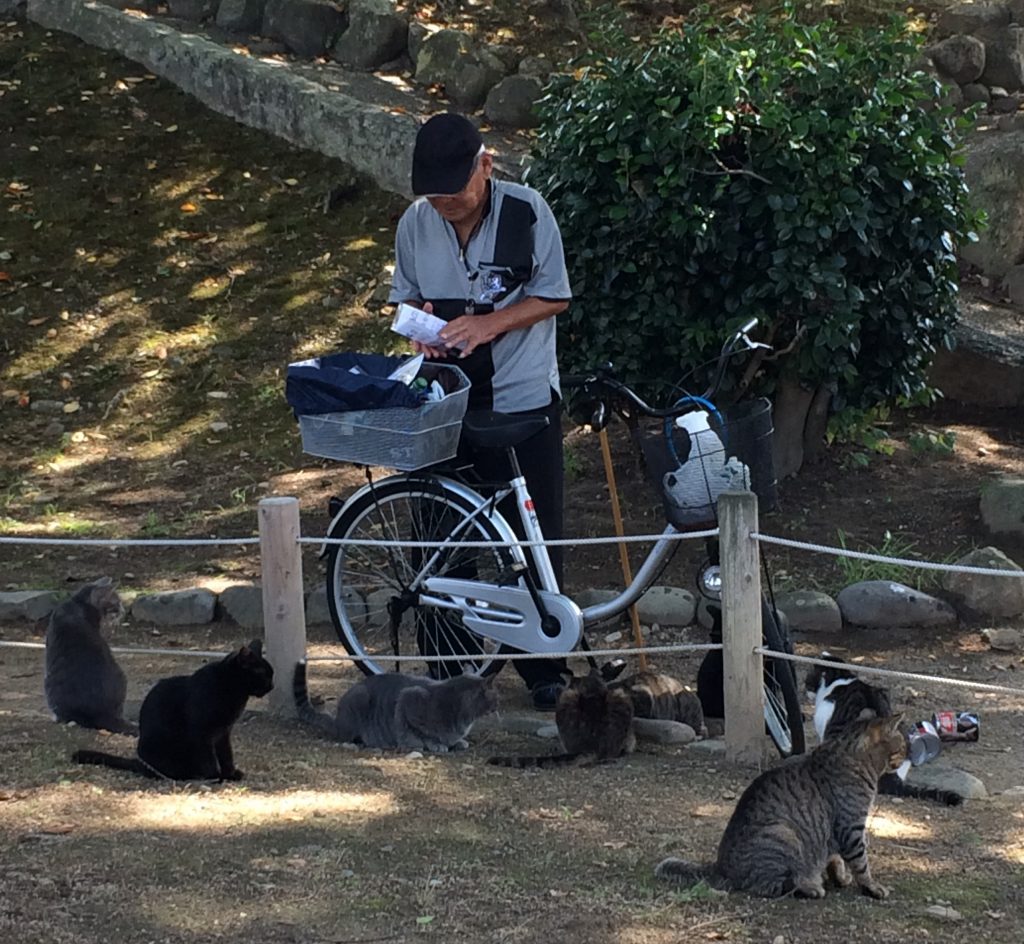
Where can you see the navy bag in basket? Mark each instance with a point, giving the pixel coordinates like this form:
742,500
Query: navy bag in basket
328,385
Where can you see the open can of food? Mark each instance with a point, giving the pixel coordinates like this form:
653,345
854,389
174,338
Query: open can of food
923,743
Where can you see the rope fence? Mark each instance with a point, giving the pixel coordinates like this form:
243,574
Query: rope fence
893,673
281,544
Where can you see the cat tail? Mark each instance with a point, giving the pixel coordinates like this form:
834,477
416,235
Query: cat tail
892,785
682,872
113,760
324,723
546,760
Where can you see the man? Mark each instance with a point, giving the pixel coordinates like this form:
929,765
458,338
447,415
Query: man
486,256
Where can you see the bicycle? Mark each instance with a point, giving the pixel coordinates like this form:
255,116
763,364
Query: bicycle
449,595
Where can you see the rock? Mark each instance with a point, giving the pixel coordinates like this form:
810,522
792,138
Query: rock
1013,284
1004,57
663,732
54,430
810,611
709,745
1005,640
243,603
988,596
1005,105
307,27
318,612
538,66
14,8
176,607
592,597
968,18
940,776
47,406
417,33
944,912
976,94
884,604
377,33
961,58
1002,499
510,103
547,731
667,606
26,605
995,177
195,10
451,58
382,289
241,16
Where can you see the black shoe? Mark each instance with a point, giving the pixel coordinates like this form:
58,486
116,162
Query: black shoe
545,695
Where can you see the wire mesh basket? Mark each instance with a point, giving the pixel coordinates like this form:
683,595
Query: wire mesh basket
694,459
403,438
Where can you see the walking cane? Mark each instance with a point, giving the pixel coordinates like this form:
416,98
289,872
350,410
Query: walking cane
627,572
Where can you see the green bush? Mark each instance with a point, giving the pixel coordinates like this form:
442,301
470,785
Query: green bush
759,167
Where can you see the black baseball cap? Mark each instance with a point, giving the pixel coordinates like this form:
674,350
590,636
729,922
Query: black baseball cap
446,150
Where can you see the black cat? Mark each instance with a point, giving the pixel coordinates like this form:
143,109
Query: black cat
840,699
185,722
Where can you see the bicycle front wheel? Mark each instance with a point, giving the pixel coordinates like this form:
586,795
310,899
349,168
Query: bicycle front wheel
374,606
782,710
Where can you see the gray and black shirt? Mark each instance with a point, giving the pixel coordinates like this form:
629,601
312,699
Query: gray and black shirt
514,253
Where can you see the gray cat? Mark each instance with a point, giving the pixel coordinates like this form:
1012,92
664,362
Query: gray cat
404,712
82,680
804,817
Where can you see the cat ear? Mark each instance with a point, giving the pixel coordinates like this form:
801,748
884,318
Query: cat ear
103,582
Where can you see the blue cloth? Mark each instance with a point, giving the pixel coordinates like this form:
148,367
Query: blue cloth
328,385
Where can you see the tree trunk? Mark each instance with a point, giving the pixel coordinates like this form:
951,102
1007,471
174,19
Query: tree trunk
816,424
792,401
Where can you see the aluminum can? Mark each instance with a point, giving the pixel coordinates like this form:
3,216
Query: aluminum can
956,725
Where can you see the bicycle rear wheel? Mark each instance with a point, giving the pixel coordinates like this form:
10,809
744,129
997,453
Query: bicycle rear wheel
375,611
782,712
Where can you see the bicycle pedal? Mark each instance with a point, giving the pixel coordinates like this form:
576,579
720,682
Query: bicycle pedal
510,575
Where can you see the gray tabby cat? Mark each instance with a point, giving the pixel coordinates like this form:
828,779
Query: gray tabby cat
803,818
403,712
82,680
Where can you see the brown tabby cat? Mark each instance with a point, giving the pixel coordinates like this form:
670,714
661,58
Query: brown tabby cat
804,817
663,698
595,725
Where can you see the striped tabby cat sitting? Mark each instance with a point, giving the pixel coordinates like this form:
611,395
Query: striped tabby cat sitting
804,820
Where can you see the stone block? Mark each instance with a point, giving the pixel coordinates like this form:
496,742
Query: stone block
307,27
1002,500
243,603
376,33
194,607
241,16
993,596
810,611
29,605
885,604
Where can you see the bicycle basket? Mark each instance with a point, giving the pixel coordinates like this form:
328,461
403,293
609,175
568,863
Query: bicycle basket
398,437
726,450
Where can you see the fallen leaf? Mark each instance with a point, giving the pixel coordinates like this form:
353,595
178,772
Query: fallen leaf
170,129
5,277
72,407
36,321
188,207
291,182
217,395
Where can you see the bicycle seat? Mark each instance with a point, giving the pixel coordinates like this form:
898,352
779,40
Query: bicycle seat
489,430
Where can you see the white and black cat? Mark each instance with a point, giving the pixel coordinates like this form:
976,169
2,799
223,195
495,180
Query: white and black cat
402,712
840,698
185,722
82,680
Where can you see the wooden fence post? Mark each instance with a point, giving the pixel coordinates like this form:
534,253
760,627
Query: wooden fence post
741,628
284,616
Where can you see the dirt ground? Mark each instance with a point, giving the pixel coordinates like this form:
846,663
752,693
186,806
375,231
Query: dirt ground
159,267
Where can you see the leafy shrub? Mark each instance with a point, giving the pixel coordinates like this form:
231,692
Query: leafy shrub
761,167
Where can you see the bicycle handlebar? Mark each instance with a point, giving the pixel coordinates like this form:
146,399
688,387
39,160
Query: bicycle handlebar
601,379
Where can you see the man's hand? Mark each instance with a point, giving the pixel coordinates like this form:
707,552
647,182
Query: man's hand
425,349
468,332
